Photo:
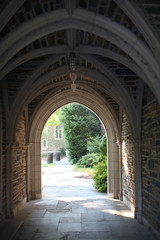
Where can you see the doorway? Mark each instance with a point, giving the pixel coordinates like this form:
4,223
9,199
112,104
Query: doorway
39,120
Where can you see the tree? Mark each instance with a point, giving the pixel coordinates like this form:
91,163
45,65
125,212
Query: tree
79,125
53,121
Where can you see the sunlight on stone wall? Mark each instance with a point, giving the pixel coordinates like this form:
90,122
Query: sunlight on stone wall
128,165
19,164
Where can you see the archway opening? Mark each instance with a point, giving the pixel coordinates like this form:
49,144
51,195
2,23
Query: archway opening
73,135
50,105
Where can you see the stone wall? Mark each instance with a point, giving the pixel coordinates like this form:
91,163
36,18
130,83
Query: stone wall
56,145
151,158
2,160
53,144
19,164
3,181
128,165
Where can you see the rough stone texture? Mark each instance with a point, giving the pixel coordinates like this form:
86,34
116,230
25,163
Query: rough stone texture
19,164
128,165
3,180
151,158
3,158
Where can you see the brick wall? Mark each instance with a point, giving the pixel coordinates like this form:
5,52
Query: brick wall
128,165
19,164
151,158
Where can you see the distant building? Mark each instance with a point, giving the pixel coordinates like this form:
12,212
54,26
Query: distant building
53,140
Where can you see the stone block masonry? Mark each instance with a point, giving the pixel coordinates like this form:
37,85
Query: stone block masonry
151,158
2,159
19,164
3,180
128,164
53,144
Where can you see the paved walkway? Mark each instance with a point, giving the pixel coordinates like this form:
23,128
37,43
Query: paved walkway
72,209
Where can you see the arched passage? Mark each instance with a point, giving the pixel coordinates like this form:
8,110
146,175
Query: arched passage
117,47
36,127
60,95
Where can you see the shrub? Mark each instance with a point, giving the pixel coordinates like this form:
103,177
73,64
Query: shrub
100,174
93,145
103,149
89,160
62,152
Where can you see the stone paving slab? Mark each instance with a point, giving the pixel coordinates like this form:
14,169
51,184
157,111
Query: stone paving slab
95,227
71,209
70,220
69,227
94,235
92,217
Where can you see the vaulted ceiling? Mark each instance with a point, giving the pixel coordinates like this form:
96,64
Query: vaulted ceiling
116,44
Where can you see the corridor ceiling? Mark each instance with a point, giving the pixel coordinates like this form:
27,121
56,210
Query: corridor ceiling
115,42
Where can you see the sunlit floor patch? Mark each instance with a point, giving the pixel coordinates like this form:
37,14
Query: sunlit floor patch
72,209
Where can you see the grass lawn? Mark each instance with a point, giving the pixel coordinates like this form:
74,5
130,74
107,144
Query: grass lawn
88,171
48,165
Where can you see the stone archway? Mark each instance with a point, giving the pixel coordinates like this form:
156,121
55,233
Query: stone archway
36,127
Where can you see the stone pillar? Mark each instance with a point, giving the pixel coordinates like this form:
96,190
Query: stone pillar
10,155
119,144
113,170
28,169
35,171
138,180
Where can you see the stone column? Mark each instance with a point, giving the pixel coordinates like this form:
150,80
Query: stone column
10,156
113,170
119,144
28,170
35,171
138,180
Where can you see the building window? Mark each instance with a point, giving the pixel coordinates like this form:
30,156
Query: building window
58,132
44,144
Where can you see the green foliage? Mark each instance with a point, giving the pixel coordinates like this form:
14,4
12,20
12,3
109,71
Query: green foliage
62,152
87,161
103,149
93,145
45,132
100,174
88,171
79,125
53,121
49,165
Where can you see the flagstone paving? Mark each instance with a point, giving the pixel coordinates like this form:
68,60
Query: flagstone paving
71,209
